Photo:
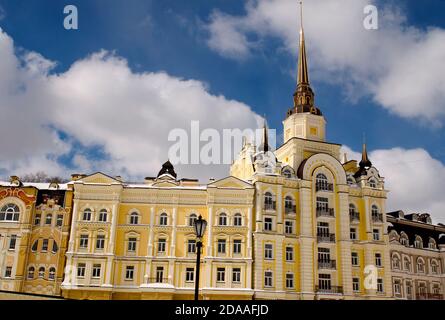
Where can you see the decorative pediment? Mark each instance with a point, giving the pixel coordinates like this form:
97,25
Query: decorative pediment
100,177
17,193
231,183
167,183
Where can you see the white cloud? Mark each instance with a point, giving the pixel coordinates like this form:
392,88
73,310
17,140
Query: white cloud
400,66
100,103
415,180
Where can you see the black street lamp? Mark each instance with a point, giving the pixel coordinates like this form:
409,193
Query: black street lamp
200,228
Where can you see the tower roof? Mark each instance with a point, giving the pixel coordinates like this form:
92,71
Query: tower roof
365,162
167,168
264,146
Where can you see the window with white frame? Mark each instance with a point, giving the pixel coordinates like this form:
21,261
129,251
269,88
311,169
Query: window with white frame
407,264
45,245
380,285
100,242
8,272
189,274
222,220
162,245
375,213
378,259
129,273
103,215
192,219
322,182
220,274
159,274
48,219
432,244
420,265
81,267
268,279
289,254
87,214
221,246
37,219
163,219
59,221
268,224
134,218
96,271
10,212
83,243
395,262
191,246
356,284
353,233
12,241
397,287
434,267
268,251
372,183
236,275
376,234
324,281
418,243
354,258
237,220
52,273
237,246
131,246
289,280
289,204
31,271
289,227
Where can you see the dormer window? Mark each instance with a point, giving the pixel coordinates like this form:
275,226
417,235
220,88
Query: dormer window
418,243
287,173
372,183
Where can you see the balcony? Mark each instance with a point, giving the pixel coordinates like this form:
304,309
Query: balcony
326,237
429,296
325,212
290,209
158,280
270,205
377,217
329,289
327,264
329,187
354,216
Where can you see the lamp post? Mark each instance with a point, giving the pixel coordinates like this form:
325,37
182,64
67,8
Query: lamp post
200,227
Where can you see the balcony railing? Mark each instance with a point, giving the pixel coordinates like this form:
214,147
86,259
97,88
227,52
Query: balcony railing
270,205
377,217
326,264
429,296
326,237
159,280
325,212
354,216
324,187
329,289
290,209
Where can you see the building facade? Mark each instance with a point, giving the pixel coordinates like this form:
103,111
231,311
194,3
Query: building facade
300,222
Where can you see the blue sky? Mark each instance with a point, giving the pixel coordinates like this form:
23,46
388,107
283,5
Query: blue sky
166,36
175,38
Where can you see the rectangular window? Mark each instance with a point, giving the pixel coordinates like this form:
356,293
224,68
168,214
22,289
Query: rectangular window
353,234
289,227
12,242
129,273
268,280
397,287
356,284
83,241
221,274
268,224
45,245
322,204
378,259
324,255
189,274
236,275
161,245
132,244
37,219
289,254
289,280
100,242
159,274
376,234
191,246
268,251
221,246
237,246
379,285
96,270
324,282
86,215
8,272
323,229
81,270
354,258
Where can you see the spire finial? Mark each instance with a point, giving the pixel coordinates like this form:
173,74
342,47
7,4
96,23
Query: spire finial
365,162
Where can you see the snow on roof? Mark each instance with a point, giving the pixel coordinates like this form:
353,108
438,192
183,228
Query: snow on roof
37,185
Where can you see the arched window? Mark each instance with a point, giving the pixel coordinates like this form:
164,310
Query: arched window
420,265
192,219
269,203
134,218
59,221
9,212
287,173
31,271
41,272
321,183
289,204
395,262
404,239
434,267
86,214
222,221
238,220
163,219
353,214
375,213
407,264
432,244
372,183
52,273
103,215
418,243
48,219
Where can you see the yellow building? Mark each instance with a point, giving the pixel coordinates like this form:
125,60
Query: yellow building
34,231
